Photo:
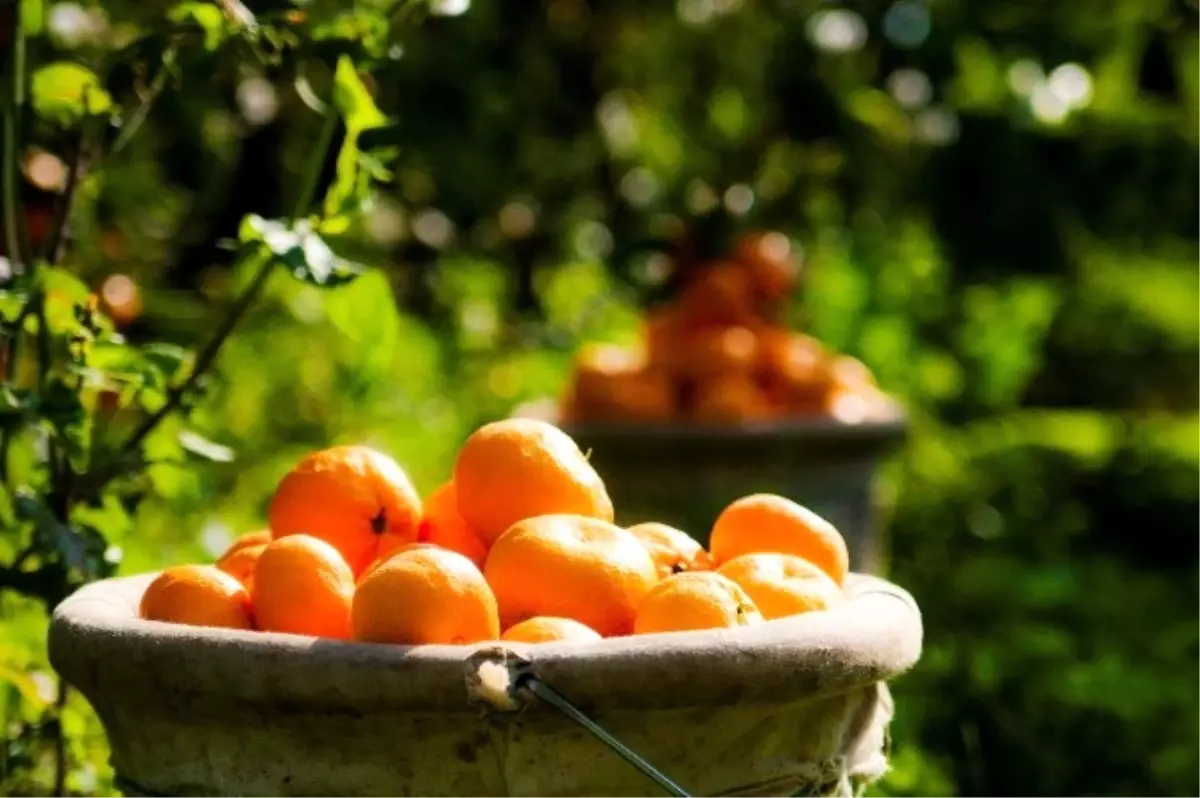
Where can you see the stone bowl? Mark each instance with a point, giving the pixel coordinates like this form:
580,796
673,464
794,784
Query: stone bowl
793,705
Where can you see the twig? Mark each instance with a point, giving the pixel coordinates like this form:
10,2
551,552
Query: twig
60,741
55,243
206,357
13,230
142,111
308,189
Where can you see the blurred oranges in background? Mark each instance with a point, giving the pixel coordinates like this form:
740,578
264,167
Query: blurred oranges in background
720,354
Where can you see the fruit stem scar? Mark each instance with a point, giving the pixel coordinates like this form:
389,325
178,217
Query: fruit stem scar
379,522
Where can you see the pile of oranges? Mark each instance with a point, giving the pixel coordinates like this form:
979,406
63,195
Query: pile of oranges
719,355
518,545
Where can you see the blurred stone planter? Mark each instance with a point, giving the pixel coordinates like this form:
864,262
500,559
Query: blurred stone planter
684,475
798,705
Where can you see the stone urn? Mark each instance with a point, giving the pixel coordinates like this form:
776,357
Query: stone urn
792,706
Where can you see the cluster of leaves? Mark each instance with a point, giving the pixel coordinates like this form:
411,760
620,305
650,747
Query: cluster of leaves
91,422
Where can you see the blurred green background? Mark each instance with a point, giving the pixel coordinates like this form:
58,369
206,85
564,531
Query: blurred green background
997,204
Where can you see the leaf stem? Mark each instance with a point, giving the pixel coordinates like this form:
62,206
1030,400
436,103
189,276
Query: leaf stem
312,171
139,115
13,232
55,243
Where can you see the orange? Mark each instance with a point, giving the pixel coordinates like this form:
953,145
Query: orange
715,351
796,364
769,260
425,595
671,549
849,372
197,595
719,294
303,586
240,562
442,525
764,522
519,468
782,584
730,399
353,497
543,629
259,537
644,395
570,566
406,547
695,600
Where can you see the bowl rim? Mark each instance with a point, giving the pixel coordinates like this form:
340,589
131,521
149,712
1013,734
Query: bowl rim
100,645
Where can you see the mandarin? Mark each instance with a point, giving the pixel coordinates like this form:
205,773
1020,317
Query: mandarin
354,498
423,595
519,468
570,566
197,595
442,525
240,562
259,537
645,395
782,584
731,399
715,352
768,523
672,550
543,629
719,294
769,259
302,585
695,600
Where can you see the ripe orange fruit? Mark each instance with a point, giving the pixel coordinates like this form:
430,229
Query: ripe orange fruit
352,497
715,351
795,363
240,563
197,595
543,629
303,585
772,265
519,468
442,525
719,294
259,537
782,584
695,600
644,395
422,595
730,399
570,566
767,523
672,550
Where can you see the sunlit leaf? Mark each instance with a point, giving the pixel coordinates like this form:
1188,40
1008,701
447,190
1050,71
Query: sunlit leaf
353,101
207,16
65,93
33,16
301,249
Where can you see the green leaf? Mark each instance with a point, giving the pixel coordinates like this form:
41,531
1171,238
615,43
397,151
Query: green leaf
66,93
63,408
353,101
301,249
354,172
366,28
15,405
207,17
202,447
33,16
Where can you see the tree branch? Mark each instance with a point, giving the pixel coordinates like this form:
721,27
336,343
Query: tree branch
56,242
13,231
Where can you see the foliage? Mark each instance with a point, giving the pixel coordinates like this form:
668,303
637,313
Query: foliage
90,426
998,213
